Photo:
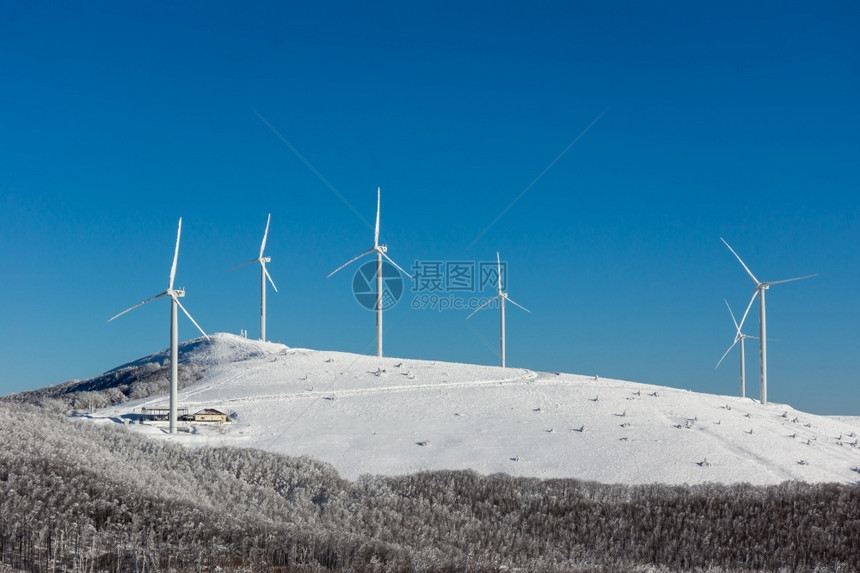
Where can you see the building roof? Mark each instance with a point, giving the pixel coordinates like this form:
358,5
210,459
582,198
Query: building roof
210,412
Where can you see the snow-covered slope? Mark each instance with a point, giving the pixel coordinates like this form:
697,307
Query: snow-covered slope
369,415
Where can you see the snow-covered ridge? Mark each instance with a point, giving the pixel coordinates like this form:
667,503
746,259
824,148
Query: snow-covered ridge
218,348
365,414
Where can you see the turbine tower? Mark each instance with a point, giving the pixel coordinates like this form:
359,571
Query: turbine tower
381,251
175,295
760,288
739,337
264,275
502,296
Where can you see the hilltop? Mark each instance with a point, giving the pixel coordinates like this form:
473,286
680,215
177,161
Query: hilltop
395,416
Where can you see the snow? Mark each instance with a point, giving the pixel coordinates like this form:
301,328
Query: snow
392,416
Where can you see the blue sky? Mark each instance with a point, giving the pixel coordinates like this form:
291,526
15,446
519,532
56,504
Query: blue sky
691,122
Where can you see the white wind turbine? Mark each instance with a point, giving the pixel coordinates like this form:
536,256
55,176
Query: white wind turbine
502,296
264,275
760,288
380,251
739,337
175,295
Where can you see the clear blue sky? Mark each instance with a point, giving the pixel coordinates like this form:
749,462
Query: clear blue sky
724,119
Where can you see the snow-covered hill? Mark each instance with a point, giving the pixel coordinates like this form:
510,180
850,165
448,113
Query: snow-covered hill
369,415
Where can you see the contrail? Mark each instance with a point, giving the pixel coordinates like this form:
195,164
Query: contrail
536,179
311,167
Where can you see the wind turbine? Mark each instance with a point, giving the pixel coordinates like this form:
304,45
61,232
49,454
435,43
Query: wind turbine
739,337
175,295
264,275
760,288
381,251
502,296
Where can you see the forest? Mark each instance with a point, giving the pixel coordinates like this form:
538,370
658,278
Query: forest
75,496
115,387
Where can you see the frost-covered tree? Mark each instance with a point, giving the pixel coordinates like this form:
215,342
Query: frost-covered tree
80,497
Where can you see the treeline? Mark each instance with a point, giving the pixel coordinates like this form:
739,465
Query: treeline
115,387
80,497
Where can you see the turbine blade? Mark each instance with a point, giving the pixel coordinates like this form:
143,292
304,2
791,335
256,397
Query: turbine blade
265,236
737,326
239,266
387,258
175,257
268,276
150,299
743,264
790,280
376,230
749,306
510,300
350,261
175,298
499,271
483,305
726,353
